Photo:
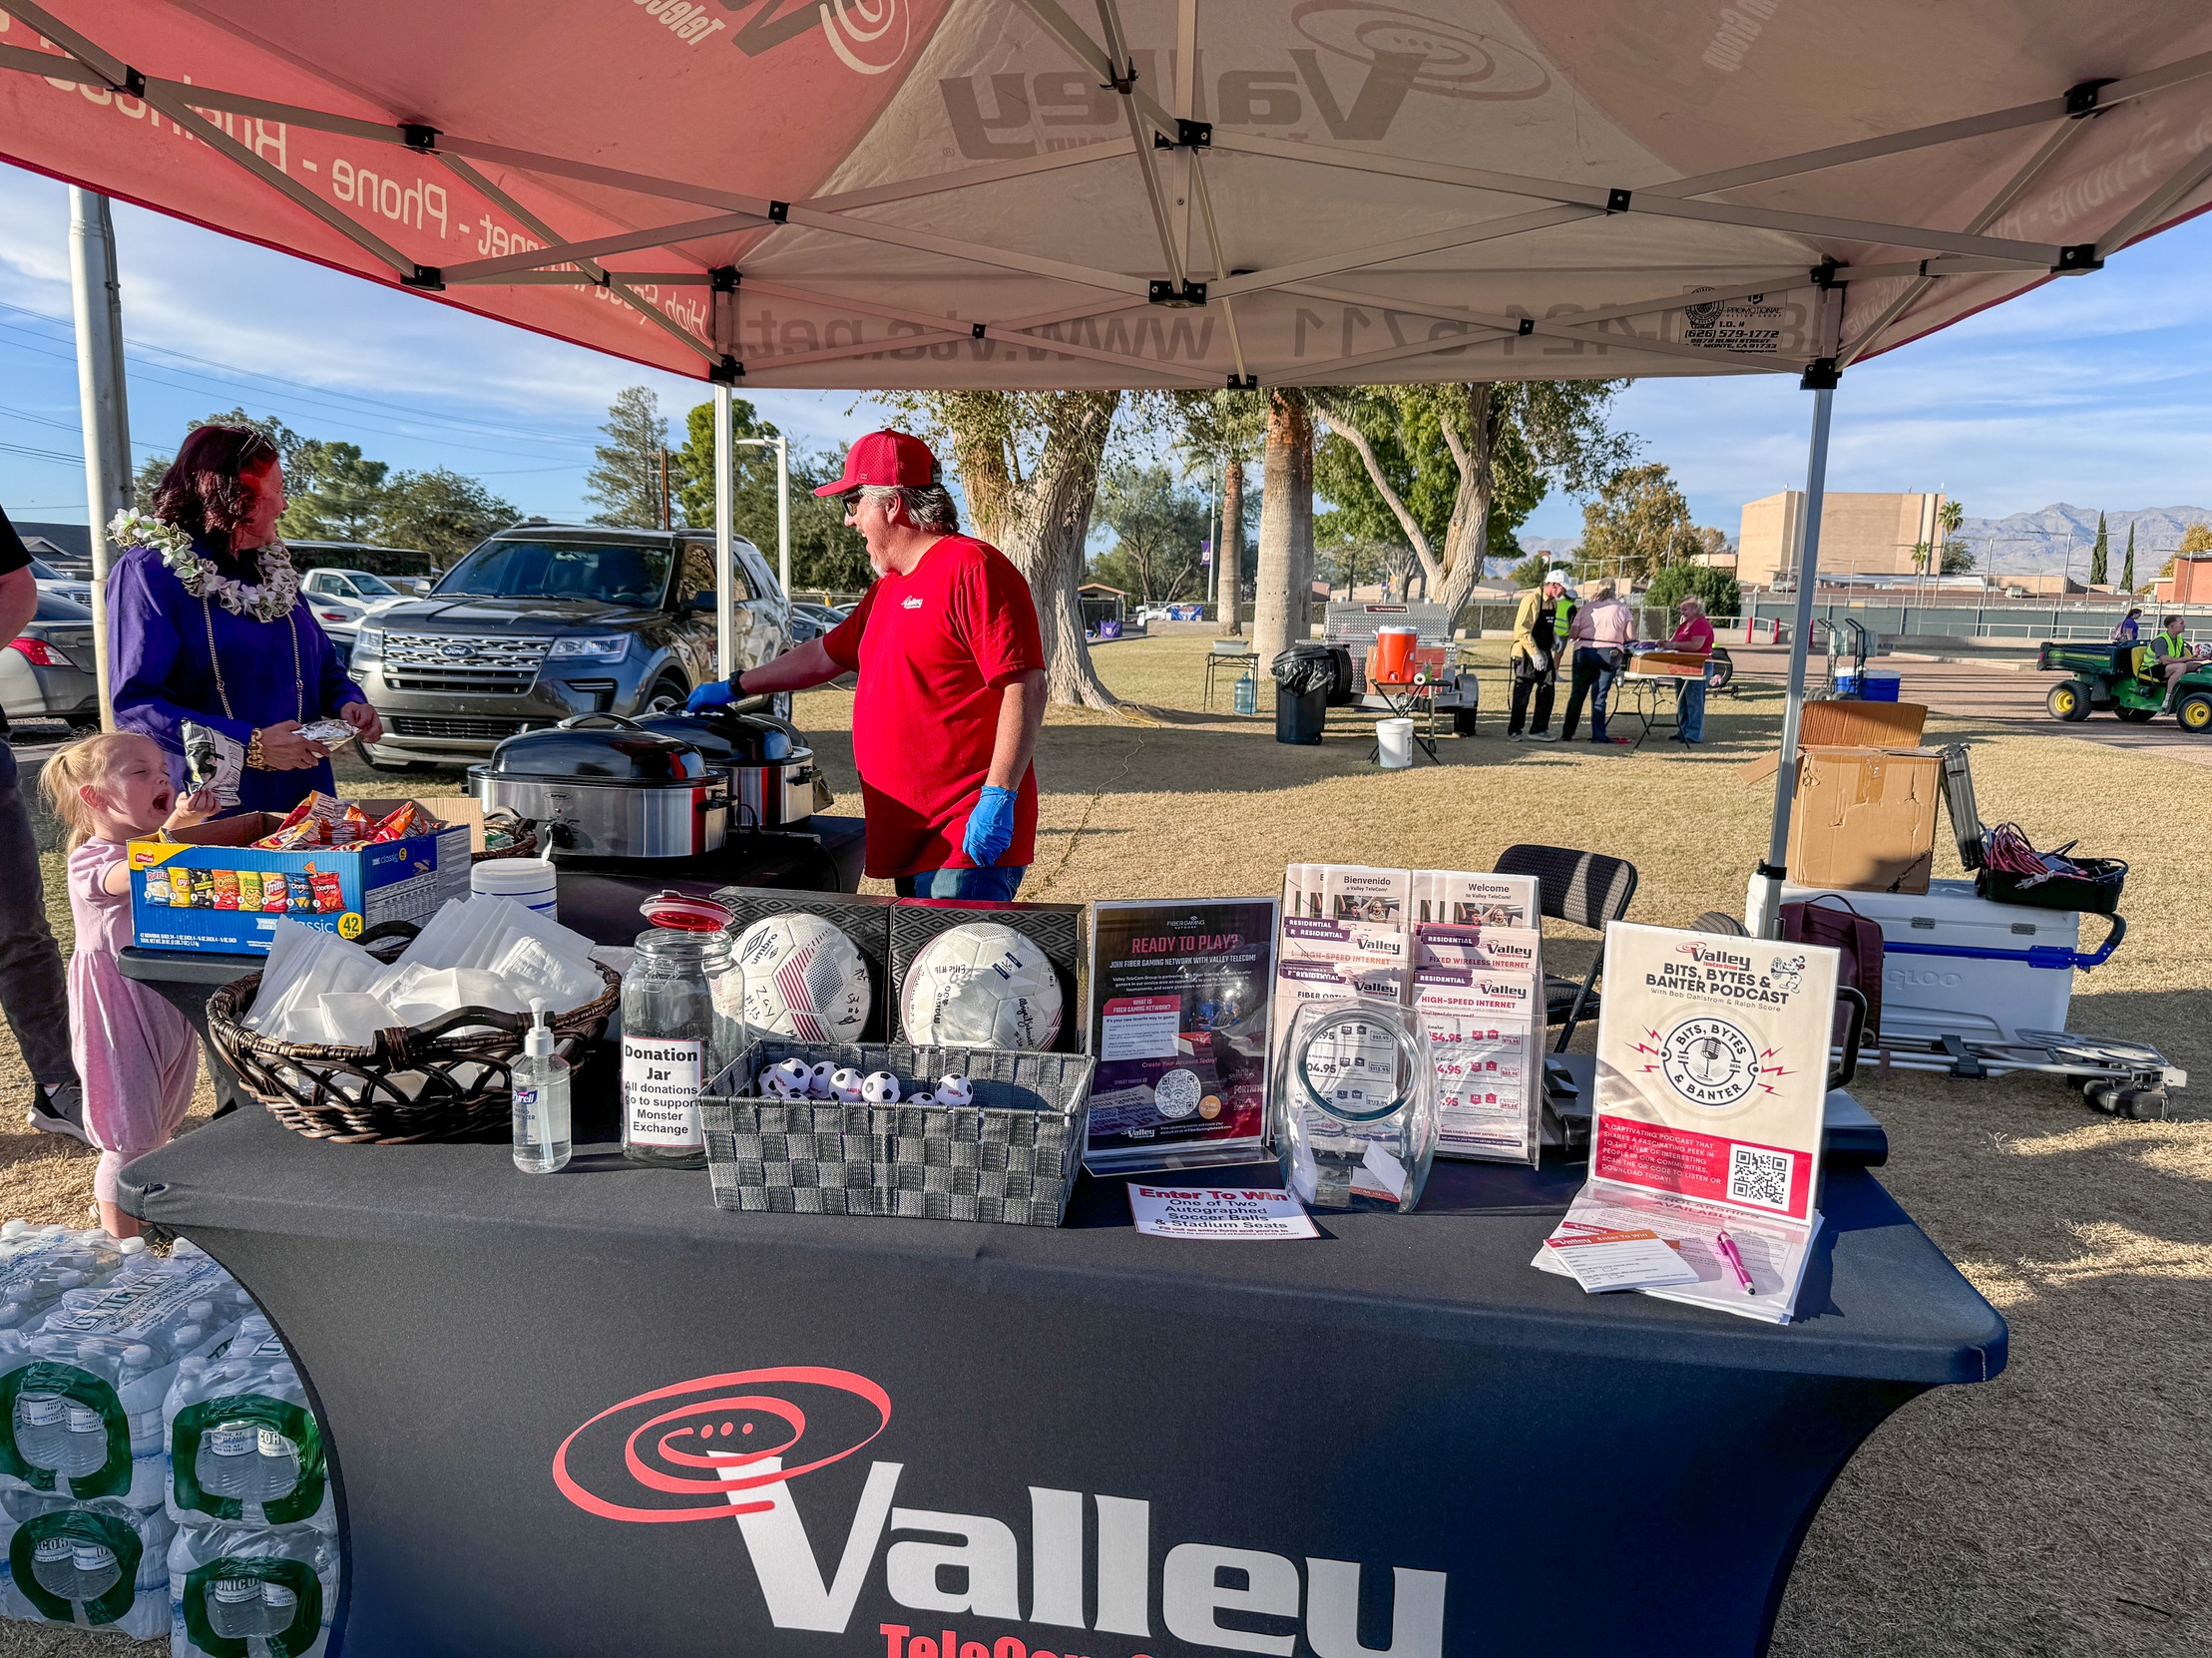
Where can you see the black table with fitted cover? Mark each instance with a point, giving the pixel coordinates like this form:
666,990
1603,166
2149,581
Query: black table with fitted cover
997,1442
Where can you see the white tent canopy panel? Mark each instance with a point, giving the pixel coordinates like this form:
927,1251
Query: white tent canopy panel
1014,194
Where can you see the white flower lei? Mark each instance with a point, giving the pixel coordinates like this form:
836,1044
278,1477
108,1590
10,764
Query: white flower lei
272,598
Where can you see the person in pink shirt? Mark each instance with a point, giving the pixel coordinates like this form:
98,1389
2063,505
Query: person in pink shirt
1693,637
136,1055
1601,634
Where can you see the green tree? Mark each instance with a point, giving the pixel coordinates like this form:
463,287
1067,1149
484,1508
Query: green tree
2100,556
1458,467
1218,434
1158,525
154,468
626,476
1958,555
825,555
1716,586
441,513
1530,572
1638,525
335,492
2127,567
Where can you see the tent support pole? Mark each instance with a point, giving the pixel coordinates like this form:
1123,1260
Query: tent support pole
783,514
100,396
725,618
1765,919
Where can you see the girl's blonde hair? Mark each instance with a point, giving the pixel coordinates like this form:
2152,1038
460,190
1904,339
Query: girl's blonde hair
69,769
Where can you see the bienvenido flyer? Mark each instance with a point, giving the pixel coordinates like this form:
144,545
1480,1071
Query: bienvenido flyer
1178,1010
1712,1077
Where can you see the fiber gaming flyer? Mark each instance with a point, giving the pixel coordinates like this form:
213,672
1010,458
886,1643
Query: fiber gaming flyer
1178,1024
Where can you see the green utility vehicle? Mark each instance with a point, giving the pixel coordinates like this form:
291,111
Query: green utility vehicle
2125,679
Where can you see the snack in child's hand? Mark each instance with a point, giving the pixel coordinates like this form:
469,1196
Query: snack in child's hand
273,891
249,889
226,884
330,892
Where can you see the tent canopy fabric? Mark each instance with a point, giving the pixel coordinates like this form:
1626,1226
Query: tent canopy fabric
1011,194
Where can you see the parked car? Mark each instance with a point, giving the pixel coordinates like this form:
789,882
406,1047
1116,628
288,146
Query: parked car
541,621
50,580
342,599
810,621
410,587
46,671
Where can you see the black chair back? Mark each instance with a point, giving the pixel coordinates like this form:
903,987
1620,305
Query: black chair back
1587,889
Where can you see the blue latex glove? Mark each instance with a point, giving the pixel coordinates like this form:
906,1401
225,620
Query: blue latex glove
716,694
990,827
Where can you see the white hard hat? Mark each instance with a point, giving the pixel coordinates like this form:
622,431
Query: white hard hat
1560,577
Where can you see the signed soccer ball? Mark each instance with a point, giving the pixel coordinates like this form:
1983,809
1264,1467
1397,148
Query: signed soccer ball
981,986
803,977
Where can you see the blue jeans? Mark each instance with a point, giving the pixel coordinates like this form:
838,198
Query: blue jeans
1690,711
993,885
1595,670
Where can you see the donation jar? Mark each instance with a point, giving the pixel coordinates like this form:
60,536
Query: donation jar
682,1003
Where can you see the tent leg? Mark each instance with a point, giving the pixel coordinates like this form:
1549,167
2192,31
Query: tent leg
1764,920
100,395
783,514
725,597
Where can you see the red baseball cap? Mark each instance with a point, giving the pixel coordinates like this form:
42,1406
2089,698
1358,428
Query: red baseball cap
886,459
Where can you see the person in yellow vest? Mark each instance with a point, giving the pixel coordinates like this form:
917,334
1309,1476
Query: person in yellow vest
2171,650
1538,629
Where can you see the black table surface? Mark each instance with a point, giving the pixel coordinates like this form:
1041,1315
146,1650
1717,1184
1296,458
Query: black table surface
1880,1299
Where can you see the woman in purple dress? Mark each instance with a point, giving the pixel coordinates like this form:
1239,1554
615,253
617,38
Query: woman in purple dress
206,627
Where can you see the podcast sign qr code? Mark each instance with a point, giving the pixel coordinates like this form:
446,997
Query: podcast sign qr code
1761,1177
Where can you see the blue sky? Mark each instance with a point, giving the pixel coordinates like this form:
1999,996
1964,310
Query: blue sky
2094,390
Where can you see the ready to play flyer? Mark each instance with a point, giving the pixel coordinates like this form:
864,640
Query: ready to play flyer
1178,1023
1712,1079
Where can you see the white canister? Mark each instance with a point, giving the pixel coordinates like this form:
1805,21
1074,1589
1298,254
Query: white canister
527,881
1394,738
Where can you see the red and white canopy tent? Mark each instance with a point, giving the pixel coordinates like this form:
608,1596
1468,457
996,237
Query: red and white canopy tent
1004,193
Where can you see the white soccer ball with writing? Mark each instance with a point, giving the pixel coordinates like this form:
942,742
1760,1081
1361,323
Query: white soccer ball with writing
982,985
803,977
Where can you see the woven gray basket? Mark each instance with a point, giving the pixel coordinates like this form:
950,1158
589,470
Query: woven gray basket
1011,1156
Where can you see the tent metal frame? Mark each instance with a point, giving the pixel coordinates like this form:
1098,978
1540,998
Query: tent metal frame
1180,208
1182,205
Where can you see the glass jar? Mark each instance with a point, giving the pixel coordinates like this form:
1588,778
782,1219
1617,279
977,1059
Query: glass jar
1355,1092
680,1029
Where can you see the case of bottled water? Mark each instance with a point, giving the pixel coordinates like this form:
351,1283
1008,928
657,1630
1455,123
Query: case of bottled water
249,1589
82,1388
38,1264
98,1565
244,1444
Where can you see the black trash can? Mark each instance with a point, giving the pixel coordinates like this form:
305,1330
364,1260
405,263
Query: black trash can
1304,677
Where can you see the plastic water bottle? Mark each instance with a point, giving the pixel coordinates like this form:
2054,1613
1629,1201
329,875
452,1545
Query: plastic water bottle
541,1081
229,1459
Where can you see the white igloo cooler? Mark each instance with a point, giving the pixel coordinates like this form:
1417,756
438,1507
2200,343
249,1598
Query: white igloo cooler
1954,964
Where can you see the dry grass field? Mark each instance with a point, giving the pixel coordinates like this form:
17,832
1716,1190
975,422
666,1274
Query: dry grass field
2061,1510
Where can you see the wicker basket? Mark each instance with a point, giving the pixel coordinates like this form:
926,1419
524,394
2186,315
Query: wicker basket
353,1095
1011,1156
524,845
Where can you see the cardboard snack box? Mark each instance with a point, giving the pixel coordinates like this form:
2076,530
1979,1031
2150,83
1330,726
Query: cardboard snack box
1865,818
209,887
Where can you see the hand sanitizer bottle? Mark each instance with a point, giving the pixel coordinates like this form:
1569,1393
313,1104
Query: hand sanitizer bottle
540,1081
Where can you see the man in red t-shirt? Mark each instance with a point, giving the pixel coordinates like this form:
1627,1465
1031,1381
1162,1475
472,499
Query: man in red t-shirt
952,683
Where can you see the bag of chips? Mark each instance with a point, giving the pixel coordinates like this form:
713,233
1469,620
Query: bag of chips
409,819
249,889
226,884
273,892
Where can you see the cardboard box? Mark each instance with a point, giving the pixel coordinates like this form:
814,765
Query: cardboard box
1848,725
402,880
1865,818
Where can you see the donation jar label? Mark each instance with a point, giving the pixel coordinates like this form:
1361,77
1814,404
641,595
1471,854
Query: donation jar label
661,1091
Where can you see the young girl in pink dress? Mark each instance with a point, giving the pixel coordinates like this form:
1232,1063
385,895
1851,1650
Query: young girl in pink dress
136,1055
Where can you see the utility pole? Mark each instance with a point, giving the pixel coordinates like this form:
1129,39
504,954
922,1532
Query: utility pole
102,407
666,521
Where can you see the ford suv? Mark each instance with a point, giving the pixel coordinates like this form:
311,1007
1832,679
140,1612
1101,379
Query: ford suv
541,621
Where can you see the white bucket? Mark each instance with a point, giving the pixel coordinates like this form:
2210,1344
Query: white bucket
1394,738
527,881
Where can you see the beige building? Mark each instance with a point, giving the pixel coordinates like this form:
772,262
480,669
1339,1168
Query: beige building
1864,534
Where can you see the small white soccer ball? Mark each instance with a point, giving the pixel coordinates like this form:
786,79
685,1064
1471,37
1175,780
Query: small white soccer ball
922,1096
880,1088
774,1086
818,1083
788,1078
982,985
803,977
955,1089
845,1084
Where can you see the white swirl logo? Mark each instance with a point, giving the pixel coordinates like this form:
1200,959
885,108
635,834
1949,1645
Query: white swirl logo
1455,61
860,33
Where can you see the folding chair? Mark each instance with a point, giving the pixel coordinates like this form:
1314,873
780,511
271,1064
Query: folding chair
1585,889
1850,1003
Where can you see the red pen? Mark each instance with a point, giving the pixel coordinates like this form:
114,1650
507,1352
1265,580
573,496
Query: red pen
1734,1257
